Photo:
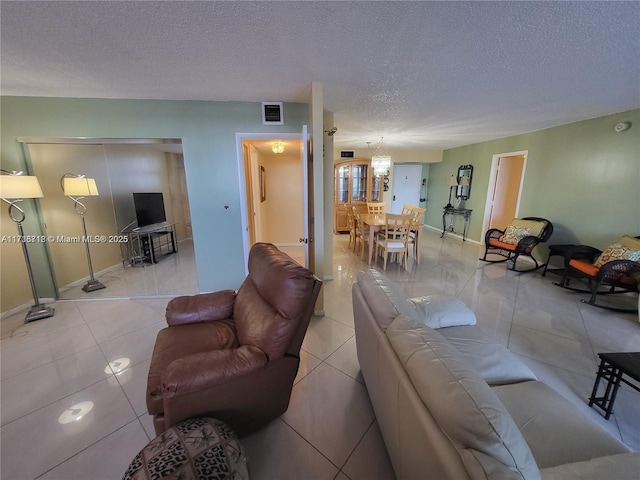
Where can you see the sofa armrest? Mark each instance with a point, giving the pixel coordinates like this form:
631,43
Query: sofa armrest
624,466
204,307
207,369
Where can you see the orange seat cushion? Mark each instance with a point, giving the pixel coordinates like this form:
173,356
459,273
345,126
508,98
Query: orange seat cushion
504,246
585,267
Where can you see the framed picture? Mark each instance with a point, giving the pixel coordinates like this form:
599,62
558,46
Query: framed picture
263,190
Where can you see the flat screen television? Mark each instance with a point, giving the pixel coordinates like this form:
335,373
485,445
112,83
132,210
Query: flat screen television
149,208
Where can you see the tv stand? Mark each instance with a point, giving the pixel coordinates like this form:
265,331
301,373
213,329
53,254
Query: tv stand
151,243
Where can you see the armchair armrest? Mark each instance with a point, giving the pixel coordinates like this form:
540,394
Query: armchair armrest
492,233
527,244
616,269
204,307
204,370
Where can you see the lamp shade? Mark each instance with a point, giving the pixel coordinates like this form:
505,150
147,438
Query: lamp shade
453,181
19,186
79,186
464,180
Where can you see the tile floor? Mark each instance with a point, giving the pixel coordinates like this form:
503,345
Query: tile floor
92,357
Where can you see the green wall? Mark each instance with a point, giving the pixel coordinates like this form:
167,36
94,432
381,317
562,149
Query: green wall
207,130
584,177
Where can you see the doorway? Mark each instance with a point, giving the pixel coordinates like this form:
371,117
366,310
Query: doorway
505,189
406,186
273,192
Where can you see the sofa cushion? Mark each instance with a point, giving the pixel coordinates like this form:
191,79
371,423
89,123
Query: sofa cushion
555,430
387,302
513,234
625,466
383,297
520,228
493,362
617,251
584,267
461,402
439,311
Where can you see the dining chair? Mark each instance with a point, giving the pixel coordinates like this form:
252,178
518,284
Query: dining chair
351,223
361,231
376,208
407,209
418,214
395,237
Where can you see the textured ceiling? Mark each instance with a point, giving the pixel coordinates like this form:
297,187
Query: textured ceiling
419,74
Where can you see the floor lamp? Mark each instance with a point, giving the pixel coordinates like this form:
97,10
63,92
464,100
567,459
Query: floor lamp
14,188
76,187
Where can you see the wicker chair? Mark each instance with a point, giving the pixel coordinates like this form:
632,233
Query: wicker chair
523,247
615,276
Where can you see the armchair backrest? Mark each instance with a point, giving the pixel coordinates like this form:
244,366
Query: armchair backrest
275,303
547,230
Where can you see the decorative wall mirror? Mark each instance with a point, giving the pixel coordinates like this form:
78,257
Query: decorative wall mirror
465,175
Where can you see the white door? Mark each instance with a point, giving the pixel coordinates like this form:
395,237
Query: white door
304,147
405,189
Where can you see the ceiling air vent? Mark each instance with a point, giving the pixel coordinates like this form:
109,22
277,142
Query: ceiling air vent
347,154
272,113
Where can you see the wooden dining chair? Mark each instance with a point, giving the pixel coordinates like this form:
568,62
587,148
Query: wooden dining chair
351,224
376,208
407,209
361,232
414,232
395,237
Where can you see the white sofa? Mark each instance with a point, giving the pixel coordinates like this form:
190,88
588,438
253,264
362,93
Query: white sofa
453,404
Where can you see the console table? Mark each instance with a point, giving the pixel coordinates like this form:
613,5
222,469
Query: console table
450,212
151,243
612,368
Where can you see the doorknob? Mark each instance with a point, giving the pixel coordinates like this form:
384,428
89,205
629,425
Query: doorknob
303,240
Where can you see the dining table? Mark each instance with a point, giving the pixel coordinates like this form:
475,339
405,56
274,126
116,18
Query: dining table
376,222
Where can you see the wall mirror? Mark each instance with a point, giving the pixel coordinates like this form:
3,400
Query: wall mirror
465,174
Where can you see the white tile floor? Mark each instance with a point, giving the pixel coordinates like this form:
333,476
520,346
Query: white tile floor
61,365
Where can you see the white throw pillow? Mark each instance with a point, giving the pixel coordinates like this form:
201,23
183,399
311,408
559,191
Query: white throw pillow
439,311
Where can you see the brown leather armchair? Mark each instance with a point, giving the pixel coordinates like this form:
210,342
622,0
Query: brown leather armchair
234,356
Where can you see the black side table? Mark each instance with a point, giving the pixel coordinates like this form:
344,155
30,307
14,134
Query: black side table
451,211
612,368
556,250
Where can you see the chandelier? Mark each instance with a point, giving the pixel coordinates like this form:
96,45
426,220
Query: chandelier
380,163
277,147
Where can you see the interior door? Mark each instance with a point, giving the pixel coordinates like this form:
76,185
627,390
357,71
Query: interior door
406,185
306,193
506,191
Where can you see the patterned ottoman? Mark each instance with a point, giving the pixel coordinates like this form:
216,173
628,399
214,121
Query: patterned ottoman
196,449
